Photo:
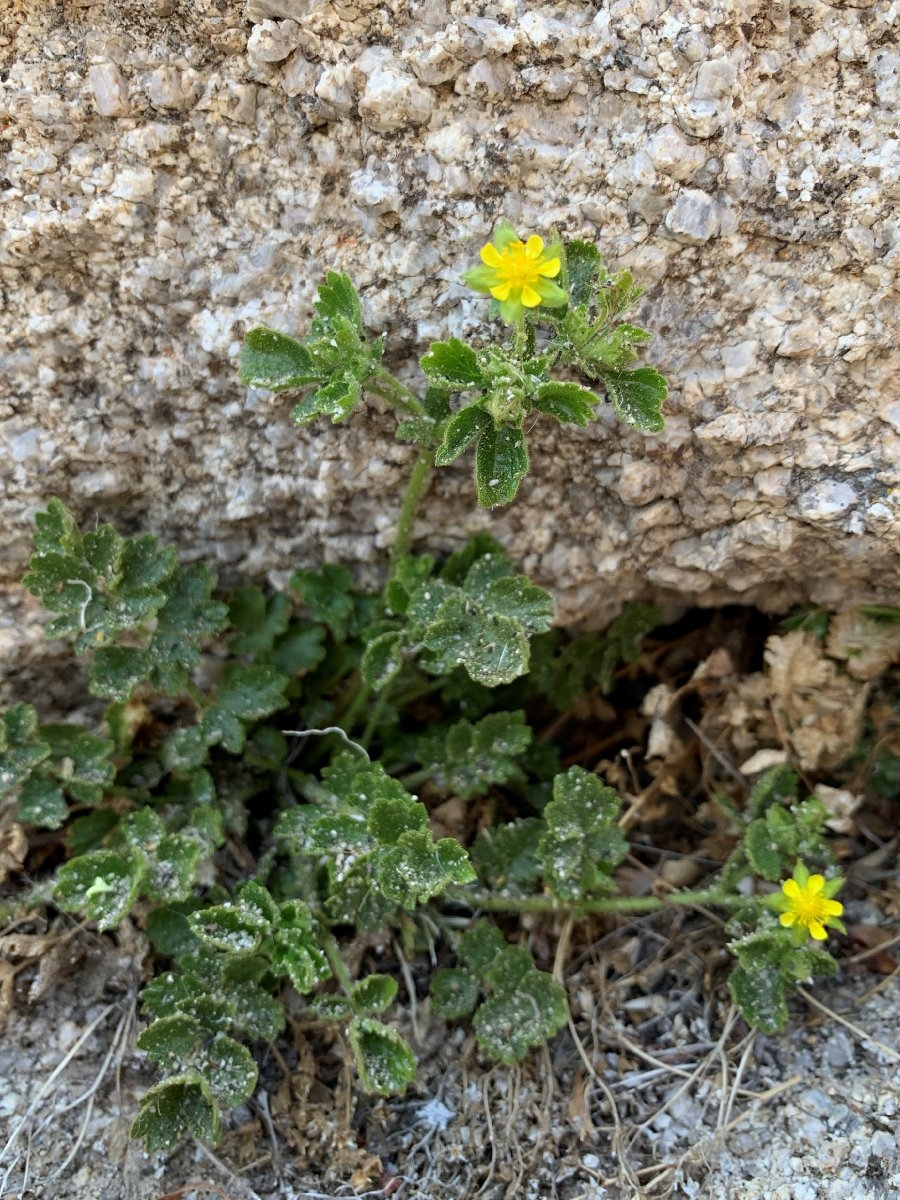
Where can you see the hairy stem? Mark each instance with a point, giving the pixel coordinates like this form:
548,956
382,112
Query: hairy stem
374,720
389,387
623,904
333,954
418,481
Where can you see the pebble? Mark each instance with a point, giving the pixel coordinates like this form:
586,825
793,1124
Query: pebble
826,500
694,218
273,41
110,90
392,99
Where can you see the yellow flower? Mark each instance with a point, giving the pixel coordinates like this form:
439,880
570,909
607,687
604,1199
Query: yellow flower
807,906
517,273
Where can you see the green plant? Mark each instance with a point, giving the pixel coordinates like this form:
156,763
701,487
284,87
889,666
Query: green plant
323,708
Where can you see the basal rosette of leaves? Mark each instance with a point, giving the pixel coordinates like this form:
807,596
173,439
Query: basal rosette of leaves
317,728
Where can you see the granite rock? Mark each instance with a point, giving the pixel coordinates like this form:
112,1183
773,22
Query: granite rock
176,172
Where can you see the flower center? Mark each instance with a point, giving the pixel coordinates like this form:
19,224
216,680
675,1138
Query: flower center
810,909
518,268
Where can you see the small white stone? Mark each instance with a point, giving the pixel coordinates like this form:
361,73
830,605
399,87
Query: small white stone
715,79
273,41
110,90
134,184
639,482
433,62
486,80
700,118
739,360
394,100
692,45
826,500
335,90
553,83
164,88
801,338
774,482
672,153
643,170
880,514
694,217
375,192
299,77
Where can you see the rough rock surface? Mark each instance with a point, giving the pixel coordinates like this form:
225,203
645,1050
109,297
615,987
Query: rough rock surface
174,171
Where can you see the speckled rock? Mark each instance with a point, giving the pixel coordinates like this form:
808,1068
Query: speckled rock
178,170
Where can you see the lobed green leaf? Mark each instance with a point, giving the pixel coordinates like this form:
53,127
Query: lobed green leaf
384,1060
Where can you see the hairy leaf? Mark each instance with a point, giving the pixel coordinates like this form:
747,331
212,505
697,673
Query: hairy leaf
582,843
568,402
638,396
177,1108
452,365
461,430
468,758
104,885
339,298
385,1062
501,463
454,993
274,361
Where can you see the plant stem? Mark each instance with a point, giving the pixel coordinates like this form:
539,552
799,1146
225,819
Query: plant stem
624,904
396,392
519,337
359,698
333,954
414,490
374,719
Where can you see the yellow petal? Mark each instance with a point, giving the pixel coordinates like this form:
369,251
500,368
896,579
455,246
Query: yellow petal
501,291
550,268
815,884
534,246
818,931
833,908
530,298
491,256
788,918
791,888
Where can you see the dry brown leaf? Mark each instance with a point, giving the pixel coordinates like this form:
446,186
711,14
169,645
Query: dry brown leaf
870,956
7,978
662,740
867,647
742,721
763,760
796,664
818,707
840,806
13,848
368,1171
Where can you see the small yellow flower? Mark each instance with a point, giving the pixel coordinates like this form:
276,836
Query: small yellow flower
807,906
517,273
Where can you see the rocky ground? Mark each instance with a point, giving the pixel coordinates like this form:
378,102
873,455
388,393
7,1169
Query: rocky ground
656,1090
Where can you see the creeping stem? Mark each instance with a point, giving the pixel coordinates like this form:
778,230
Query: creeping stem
611,904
